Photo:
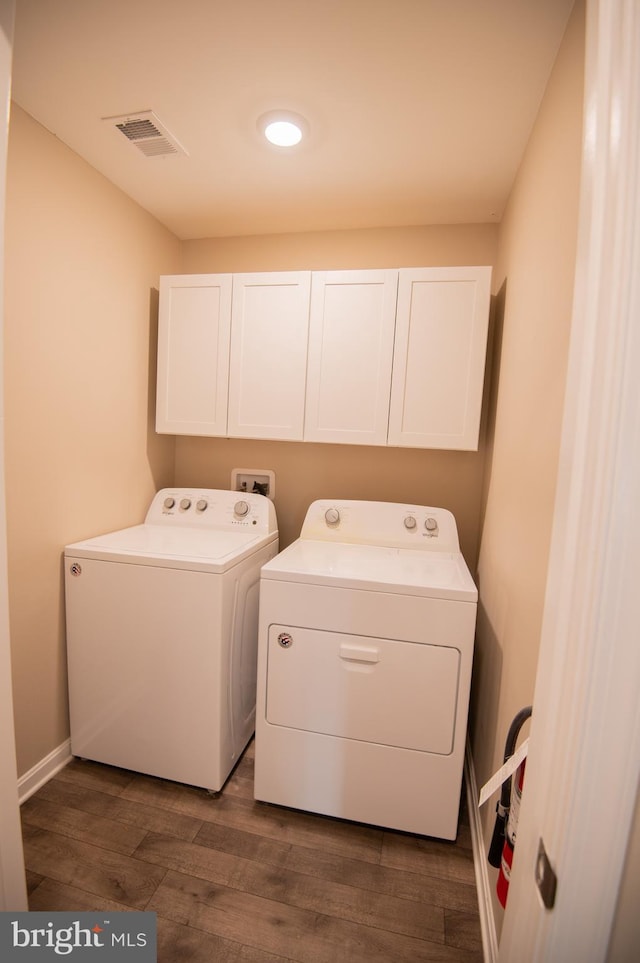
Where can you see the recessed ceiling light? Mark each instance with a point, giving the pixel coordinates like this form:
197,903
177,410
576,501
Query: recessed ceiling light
282,128
283,133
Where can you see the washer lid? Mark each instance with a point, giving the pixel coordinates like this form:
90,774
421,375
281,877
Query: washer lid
374,568
205,549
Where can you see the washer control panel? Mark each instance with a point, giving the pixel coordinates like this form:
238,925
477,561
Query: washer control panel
212,508
382,523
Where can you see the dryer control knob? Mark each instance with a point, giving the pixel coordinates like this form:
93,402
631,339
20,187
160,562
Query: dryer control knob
410,522
169,502
202,505
185,504
241,509
431,525
332,516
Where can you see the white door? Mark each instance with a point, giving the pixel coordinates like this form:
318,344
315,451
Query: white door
584,754
442,322
193,354
269,335
350,354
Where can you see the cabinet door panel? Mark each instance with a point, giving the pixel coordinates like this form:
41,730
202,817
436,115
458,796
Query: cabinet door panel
193,354
270,326
439,356
350,353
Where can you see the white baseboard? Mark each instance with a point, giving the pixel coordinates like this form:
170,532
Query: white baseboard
43,771
485,906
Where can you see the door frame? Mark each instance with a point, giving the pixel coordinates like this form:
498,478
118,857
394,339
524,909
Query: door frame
13,893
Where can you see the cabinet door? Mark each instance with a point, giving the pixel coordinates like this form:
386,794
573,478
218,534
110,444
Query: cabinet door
270,328
439,356
350,352
193,354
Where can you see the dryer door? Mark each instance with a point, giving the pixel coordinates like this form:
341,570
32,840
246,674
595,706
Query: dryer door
383,691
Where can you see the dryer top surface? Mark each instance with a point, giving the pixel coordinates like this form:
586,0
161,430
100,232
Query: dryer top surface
377,568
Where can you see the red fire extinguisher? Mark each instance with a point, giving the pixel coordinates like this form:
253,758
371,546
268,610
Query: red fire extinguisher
508,808
506,860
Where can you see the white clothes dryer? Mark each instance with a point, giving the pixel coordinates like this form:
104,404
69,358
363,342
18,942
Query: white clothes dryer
162,625
364,667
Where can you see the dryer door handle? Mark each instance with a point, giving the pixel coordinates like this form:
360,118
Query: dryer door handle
358,653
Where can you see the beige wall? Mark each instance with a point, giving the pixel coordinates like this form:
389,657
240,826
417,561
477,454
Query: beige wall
345,250
82,261
534,274
307,471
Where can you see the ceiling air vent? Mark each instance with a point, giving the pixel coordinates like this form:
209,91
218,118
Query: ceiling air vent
145,132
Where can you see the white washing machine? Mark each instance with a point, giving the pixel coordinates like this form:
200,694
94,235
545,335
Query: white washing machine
365,651
162,625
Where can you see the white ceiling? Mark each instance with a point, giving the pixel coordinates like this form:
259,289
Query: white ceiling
418,110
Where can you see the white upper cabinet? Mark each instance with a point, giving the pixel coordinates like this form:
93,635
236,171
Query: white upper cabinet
194,324
439,357
269,334
350,355
384,357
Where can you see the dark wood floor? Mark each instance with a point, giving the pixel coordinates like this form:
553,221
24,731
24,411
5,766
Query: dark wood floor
234,880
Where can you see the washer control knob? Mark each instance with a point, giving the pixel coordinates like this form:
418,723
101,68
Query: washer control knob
332,516
169,502
241,509
410,522
202,505
431,525
185,504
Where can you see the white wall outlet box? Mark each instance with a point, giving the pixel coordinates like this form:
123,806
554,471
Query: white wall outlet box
257,480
